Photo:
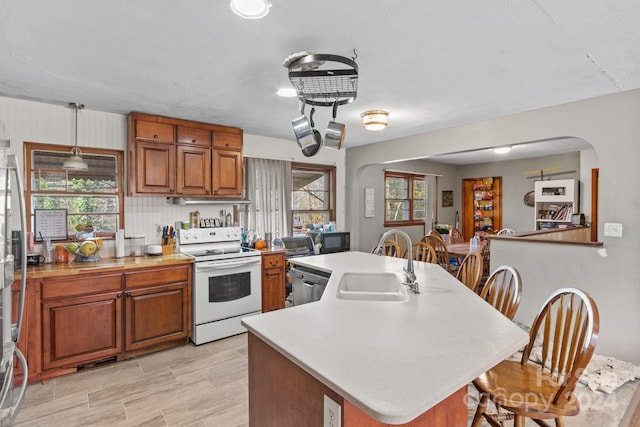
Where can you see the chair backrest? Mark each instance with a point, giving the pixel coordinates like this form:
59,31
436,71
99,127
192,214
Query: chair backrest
434,232
506,232
470,271
389,248
455,236
569,323
441,250
503,289
421,251
486,260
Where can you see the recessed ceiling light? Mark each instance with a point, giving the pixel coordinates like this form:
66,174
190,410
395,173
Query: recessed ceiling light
502,150
287,92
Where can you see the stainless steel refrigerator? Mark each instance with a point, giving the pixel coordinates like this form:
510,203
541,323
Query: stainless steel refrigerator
11,188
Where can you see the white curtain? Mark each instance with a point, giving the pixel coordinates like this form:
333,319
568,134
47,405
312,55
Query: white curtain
269,189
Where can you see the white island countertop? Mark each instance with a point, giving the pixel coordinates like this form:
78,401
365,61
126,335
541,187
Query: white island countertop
393,360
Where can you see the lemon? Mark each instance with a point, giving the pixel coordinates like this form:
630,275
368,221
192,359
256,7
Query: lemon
80,227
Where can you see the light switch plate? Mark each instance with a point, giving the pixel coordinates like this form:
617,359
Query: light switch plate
331,413
612,229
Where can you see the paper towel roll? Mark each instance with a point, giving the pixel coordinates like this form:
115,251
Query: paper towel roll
120,243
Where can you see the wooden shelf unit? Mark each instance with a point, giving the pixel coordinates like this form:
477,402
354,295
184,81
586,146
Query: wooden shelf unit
555,202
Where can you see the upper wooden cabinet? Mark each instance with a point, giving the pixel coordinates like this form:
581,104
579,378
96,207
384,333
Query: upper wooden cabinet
173,157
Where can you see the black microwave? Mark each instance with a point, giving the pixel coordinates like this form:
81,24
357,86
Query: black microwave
331,242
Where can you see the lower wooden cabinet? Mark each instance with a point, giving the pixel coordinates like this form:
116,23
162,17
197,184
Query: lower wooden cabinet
81,329
273,281
84,319
156,307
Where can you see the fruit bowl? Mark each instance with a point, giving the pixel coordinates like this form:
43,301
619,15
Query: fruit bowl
85,251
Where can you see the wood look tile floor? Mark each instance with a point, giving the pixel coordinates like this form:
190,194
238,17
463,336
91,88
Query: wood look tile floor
197,386
206,386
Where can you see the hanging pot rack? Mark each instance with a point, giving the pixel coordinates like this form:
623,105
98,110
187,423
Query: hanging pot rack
324,80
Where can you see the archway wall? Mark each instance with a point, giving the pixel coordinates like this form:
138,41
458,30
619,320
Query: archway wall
610,123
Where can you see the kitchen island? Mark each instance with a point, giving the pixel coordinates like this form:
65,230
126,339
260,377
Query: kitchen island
382,362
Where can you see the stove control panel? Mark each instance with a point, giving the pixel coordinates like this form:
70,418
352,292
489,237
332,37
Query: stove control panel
209,235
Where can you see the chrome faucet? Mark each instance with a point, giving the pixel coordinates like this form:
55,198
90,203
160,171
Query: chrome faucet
410,277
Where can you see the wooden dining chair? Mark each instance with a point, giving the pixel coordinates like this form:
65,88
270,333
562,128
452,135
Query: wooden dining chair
389,248
455,236
421,251
506,232
486,262
442,254
503,289
568,323
434,232
470,271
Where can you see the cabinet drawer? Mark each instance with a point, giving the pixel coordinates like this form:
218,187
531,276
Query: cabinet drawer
161,132
273,261
151,277
227,141
194,136
80,285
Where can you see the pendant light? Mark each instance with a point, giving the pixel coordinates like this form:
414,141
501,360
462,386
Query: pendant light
75,162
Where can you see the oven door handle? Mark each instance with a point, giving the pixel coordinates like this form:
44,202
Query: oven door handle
226,265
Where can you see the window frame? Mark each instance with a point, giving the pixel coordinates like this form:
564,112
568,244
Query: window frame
30,147
330,170
410,177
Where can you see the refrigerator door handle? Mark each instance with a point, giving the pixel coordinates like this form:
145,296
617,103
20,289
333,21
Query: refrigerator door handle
7,413
13,165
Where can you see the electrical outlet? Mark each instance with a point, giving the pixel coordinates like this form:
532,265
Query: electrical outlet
612,229
331,413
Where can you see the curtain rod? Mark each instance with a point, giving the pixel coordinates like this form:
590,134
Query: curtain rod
414,173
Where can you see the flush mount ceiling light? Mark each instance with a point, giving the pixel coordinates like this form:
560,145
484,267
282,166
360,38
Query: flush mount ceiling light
502,150
75,162
250,9
375,119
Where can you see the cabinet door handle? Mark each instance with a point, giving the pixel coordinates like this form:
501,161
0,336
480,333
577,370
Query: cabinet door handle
127,294
119,295
194,141
155,136
171,190
226,145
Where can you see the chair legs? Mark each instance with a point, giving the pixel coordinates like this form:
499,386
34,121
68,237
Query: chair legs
482,408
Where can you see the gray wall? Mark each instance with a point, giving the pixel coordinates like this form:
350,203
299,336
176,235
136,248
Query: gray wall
610,123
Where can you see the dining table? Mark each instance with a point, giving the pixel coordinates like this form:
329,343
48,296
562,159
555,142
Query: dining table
460,250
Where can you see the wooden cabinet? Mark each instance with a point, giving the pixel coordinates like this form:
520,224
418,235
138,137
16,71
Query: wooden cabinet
156,307
155,168
173,157
227,173
81,320
273,281
555,202
481,206
194,170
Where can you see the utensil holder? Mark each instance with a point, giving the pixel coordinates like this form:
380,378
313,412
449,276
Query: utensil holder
169,248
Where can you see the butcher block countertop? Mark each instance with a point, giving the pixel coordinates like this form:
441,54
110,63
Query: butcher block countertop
106,264
393,360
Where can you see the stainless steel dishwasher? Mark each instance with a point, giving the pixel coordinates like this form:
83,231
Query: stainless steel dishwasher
308,284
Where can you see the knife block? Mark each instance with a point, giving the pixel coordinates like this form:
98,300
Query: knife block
169,248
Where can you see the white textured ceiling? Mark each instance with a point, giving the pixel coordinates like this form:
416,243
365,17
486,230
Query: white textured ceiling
432,64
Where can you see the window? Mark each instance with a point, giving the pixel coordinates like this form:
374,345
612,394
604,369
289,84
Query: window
313,195
404,199
94,196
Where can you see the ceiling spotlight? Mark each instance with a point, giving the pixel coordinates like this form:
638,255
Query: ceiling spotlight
250,9
502,150
375,119
287,92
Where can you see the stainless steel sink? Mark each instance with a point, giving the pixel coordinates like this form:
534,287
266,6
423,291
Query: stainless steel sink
372,287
